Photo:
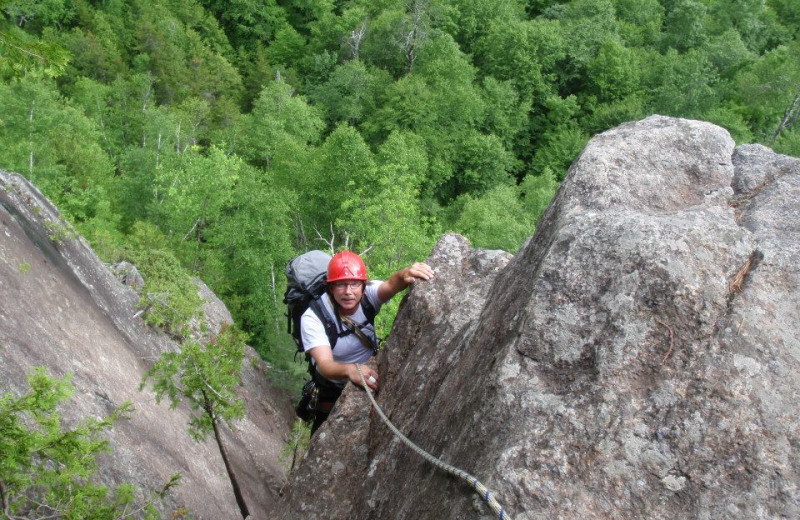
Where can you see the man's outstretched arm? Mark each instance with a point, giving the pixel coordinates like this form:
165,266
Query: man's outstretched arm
402,279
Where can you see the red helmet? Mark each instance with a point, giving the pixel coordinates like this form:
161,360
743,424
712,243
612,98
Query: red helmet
346,266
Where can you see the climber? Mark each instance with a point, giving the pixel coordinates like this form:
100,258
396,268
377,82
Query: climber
347,285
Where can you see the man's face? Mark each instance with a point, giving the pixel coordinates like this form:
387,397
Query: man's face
347,294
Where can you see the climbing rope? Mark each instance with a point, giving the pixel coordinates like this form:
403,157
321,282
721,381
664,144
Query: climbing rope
482,490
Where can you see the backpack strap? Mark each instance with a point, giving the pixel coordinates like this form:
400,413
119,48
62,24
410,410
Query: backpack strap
355,329
331,330
369,310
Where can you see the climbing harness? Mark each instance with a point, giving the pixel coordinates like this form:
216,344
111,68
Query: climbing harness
482,490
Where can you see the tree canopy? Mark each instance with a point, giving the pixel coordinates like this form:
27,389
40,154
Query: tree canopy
223,138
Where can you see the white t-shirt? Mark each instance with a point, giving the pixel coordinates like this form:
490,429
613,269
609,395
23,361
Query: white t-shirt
349,348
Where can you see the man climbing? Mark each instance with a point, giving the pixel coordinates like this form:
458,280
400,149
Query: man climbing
347,286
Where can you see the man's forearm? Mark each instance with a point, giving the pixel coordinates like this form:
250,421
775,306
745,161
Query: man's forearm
402,279
396,283
331,369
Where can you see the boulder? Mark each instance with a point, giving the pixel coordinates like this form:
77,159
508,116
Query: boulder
129,275
639,357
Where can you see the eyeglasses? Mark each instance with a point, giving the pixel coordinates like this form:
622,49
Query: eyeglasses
352,284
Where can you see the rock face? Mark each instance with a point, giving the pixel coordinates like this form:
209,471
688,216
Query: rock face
61,307
638,358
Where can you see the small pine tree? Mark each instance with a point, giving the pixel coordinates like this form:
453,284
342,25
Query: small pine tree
206,375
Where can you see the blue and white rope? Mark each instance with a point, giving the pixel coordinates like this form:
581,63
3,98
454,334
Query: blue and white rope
482,490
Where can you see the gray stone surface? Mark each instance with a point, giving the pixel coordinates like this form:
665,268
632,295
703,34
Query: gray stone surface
61,307
129,275
358,464
638,358
215,314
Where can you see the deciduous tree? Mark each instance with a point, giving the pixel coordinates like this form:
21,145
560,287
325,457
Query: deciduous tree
495,220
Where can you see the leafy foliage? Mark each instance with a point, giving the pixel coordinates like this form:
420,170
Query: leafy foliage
169,298
206,375
485,220
223,138
293,450
48,469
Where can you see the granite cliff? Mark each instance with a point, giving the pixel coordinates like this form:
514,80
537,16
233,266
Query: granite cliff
63,309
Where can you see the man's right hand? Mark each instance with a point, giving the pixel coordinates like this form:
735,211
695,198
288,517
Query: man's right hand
370,376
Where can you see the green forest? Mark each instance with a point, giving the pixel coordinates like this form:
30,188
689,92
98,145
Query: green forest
211,139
